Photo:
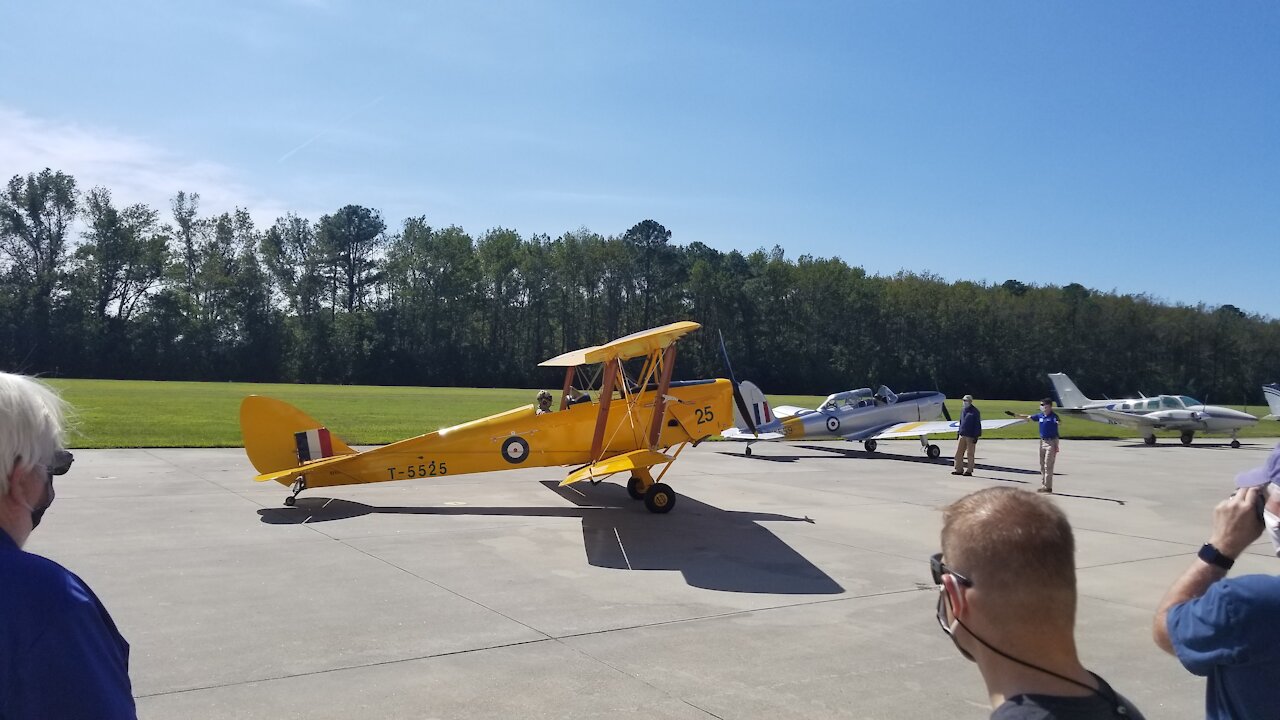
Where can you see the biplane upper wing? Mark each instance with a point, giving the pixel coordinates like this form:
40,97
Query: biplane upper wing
629,346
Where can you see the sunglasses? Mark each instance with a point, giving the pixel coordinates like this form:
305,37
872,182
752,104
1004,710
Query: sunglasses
939,568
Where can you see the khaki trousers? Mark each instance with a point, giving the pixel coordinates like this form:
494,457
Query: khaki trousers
1048,451
965,446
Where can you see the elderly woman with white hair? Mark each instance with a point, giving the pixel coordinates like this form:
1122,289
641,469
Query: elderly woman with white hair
60,653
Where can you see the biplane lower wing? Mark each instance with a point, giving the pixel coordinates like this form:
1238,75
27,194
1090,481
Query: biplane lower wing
634,460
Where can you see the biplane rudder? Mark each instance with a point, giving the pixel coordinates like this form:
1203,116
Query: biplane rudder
278,436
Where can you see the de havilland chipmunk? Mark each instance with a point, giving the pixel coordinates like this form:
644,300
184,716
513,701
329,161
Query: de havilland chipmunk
1148,414
631,433
855,415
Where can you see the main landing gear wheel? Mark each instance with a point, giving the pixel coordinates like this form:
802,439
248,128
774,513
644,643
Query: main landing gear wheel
298,486
633,488
1186,438
1149,439
869,446
1235,443
934,452
748,451
660,498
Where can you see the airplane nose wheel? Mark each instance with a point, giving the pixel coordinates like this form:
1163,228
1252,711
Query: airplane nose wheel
660,498
298,486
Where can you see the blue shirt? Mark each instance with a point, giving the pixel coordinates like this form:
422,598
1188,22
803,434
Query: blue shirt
970,422
1048,425
1231,635
60,653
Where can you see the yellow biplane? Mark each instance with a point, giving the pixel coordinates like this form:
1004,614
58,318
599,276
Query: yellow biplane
630,427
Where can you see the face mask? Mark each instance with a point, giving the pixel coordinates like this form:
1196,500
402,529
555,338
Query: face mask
37,512
950,628
1272,523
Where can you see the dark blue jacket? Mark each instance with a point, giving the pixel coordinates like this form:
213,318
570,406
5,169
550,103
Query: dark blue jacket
971,422
60,653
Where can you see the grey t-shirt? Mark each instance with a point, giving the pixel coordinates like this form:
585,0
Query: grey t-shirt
1057,707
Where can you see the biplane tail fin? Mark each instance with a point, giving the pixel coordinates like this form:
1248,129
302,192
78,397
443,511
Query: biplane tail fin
278,436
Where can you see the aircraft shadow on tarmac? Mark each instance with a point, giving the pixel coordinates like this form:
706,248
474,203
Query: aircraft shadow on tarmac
863,454
714,549
1198,445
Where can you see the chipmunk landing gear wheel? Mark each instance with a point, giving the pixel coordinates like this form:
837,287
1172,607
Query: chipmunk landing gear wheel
869,445
934,452
1235,443
659,498
1187,438
1149,439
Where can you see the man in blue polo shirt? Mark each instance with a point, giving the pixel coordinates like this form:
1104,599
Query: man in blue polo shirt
1226,628
1048,421
60,653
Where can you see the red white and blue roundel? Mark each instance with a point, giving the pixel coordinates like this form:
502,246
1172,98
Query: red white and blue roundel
833,424
515,450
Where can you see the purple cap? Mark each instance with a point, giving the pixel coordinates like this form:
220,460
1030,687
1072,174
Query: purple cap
1267,472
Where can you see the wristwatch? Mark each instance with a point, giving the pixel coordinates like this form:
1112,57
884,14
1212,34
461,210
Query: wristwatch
1213,556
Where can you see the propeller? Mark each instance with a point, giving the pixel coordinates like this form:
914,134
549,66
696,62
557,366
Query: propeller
737,394
945,413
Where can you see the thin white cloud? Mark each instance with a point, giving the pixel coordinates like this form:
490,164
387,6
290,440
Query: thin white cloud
134,170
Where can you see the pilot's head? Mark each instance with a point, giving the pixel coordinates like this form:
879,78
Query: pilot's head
544,400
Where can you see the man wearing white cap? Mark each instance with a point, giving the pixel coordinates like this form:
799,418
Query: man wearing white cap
970,431
1226,629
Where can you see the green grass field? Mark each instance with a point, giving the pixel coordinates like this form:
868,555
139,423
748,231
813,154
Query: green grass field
129,413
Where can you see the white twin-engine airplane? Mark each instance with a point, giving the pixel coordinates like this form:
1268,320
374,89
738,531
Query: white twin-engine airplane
1148,414
854,415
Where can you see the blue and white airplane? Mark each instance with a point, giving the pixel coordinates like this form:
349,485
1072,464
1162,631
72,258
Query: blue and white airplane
855,415
1148,414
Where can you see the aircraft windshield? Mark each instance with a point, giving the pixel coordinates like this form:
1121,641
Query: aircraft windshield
1169,401
1190,401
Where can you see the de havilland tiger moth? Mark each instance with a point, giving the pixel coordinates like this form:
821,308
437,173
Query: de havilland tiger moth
1148,414
632,433
855,415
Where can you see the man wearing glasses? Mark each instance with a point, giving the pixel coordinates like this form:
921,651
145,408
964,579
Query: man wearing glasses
1006,578
60,653
1229,630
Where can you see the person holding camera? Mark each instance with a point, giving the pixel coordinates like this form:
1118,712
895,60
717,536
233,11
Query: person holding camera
1228,629
60,653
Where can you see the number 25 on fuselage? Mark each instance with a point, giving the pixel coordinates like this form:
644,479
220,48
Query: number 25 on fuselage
629,427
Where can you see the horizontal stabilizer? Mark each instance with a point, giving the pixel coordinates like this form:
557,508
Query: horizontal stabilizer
736,434
286,476
633,460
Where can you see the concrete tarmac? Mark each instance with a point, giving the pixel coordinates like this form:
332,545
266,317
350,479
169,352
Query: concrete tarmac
791,584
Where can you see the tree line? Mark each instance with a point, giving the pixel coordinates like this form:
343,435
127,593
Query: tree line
138,293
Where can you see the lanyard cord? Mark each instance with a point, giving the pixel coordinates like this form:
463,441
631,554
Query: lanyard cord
1109,696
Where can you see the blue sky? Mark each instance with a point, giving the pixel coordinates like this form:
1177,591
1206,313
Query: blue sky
1127,146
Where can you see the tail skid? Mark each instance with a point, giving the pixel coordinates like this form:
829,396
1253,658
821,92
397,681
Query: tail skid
1069,396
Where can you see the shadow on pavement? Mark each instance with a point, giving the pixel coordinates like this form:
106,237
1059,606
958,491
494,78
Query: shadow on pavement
712,548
